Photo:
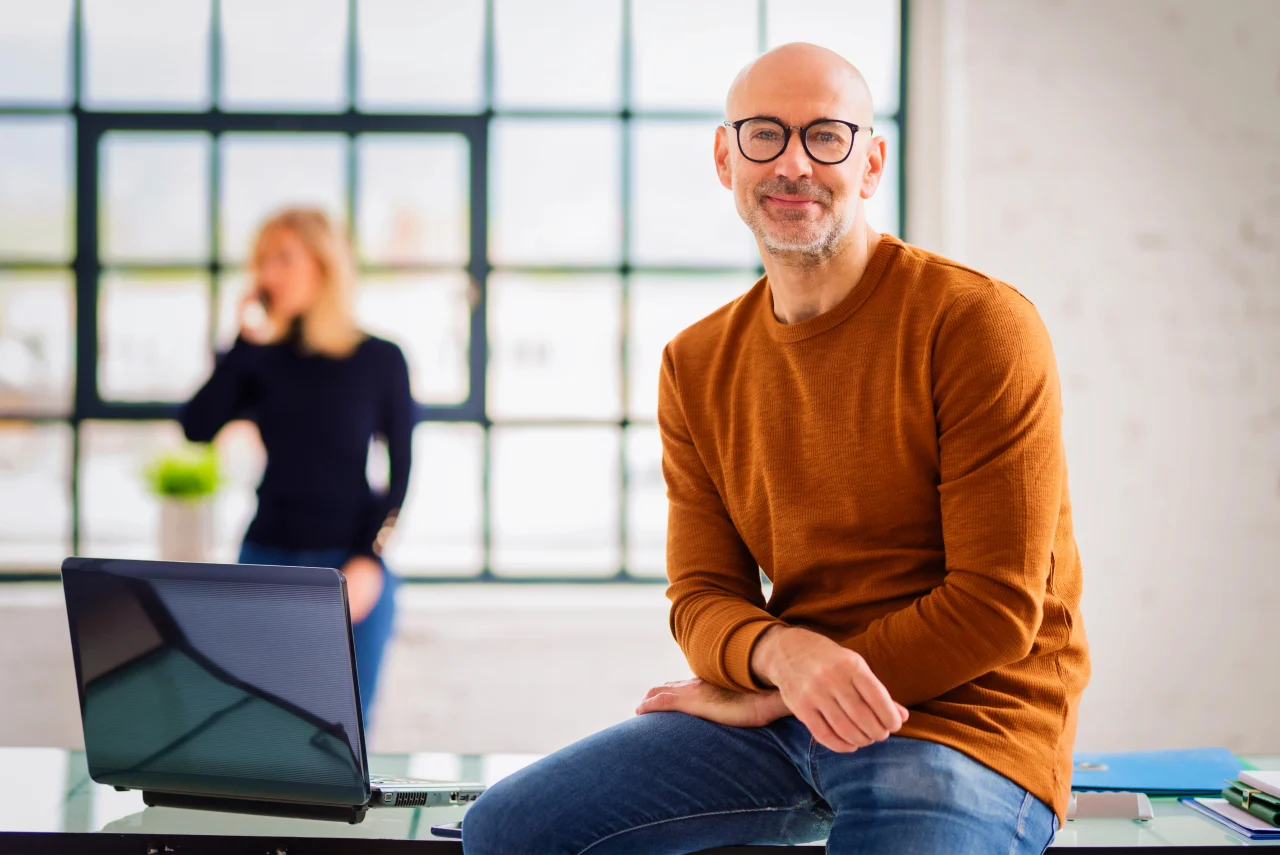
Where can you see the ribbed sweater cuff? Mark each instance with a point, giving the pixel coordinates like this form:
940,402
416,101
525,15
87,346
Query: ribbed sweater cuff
737,655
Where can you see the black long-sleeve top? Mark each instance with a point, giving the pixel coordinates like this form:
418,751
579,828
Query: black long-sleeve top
316,415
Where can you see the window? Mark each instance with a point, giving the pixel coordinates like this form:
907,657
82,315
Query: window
507,182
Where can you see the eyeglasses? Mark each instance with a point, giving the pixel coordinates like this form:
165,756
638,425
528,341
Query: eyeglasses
827,141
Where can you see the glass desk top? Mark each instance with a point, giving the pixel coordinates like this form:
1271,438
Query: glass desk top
47,791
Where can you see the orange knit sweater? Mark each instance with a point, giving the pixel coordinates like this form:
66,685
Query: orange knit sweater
895,467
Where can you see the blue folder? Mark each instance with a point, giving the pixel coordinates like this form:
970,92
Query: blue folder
1188,772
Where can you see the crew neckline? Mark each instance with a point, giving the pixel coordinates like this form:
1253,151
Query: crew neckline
841,311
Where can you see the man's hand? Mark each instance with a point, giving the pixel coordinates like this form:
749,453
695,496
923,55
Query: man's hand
829,688
702,699
364,585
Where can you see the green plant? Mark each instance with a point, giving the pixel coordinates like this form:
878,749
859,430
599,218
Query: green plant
190,472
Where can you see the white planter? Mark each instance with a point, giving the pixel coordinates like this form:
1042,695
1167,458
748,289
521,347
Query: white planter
186,529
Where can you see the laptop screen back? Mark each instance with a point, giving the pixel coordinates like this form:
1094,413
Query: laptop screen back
219,680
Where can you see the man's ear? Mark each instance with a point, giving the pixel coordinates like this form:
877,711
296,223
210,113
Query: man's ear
723,169
876,153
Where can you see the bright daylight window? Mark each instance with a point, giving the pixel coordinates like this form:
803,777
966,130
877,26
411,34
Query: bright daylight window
530,190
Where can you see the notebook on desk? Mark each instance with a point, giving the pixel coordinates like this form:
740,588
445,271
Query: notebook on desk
1189,772
1233,818
1267,781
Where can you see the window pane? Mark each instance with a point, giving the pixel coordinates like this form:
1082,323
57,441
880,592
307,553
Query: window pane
558,53
153,342
646,503
541,214
421,55
35,494
865,32
882,208
413,198
37,345
681,214
155,197
685,54
35,52
146,53
661,306
440,530
429,316
119,516
37,205
262,173
555,501
284,54
554,346
231,286
241,459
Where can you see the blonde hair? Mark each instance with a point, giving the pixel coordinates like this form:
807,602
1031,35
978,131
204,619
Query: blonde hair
329,326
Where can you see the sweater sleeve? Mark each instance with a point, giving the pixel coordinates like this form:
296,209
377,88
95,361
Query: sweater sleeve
227,394
396,426
717,604
999,419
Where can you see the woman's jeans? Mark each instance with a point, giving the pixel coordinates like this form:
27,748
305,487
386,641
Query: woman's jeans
371,634
667,783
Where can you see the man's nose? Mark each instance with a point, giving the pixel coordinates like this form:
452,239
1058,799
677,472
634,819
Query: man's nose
794,162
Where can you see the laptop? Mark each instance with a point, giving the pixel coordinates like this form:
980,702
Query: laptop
227,687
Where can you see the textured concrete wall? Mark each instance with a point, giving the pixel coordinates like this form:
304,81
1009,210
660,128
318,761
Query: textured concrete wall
1119,162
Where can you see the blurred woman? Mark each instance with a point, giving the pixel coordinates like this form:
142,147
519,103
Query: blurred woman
319,389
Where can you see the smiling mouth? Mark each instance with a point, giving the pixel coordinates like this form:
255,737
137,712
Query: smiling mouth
792,204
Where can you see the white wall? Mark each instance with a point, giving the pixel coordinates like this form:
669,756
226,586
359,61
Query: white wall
1119,162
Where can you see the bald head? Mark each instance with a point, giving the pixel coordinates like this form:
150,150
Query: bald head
801,206
800,82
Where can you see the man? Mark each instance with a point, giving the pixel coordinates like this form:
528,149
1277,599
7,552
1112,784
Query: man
879,430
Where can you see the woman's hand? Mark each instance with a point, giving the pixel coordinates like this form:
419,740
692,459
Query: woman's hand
364,585
255,322
699,698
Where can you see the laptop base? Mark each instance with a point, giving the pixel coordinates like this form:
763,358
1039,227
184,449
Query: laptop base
336,813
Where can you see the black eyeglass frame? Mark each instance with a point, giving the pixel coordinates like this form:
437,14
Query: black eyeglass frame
804,137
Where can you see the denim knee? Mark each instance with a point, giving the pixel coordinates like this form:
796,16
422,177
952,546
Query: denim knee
496,825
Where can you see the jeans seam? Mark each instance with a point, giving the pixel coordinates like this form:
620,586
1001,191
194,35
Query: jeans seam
1053,832
1022,823
813,770
805,803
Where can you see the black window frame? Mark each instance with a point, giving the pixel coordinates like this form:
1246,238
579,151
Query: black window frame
91,126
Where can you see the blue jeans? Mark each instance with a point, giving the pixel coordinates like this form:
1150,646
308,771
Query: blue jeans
370,635
671,783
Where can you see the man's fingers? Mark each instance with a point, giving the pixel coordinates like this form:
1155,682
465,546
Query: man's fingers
842,724
855,707
667,688
821,730
876,697
661,702
849,728
902,711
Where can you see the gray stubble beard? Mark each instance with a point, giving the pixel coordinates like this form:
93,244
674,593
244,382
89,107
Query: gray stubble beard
807,254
